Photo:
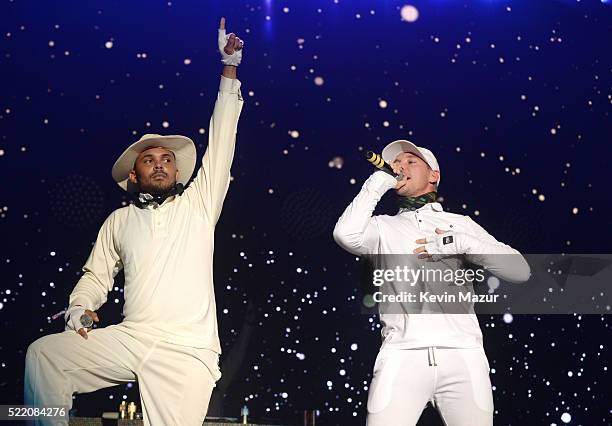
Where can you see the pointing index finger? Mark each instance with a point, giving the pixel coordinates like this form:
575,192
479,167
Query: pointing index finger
222,23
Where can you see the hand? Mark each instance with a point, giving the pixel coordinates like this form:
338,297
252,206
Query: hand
383,180
73,319
443,244
230,46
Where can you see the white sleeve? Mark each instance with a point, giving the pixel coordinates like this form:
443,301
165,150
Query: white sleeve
356,230
100,270
212,179
498,258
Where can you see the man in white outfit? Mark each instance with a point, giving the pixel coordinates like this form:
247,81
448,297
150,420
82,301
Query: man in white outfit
168,340
436,357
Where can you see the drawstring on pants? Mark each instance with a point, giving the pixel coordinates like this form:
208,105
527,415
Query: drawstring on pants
431,356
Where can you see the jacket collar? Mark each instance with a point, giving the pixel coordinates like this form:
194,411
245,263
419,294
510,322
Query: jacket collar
436,207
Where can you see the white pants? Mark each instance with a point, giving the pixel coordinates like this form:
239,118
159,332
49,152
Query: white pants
456,381
175,381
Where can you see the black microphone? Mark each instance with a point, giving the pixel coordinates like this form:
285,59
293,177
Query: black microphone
381,164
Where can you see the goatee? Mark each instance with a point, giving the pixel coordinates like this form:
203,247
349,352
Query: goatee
156,190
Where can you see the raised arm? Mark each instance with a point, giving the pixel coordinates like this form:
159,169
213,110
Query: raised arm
212,180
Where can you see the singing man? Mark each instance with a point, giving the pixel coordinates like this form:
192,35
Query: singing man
425,356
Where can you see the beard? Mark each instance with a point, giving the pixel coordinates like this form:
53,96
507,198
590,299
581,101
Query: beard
156,188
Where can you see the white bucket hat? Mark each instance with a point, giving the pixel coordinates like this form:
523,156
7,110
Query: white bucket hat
182,147
397,147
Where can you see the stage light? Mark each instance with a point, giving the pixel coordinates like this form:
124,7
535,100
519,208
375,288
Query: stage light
409,13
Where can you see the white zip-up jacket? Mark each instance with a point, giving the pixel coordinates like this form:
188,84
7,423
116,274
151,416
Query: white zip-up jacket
167,252
358,232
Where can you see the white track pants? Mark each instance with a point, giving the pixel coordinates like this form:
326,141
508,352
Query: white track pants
456,381
175,381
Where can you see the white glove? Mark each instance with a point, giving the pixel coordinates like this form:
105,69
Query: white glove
384,179
450,243
233,59
72,318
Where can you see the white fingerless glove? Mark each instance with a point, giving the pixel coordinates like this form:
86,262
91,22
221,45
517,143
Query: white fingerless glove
448,244
233,59
72,318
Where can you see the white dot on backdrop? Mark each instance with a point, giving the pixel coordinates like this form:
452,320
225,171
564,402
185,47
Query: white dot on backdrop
409,13
493,282
108,44
566,418
508,318
382,103
319,81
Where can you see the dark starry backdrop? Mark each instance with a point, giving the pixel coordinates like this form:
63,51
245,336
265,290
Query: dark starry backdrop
514,98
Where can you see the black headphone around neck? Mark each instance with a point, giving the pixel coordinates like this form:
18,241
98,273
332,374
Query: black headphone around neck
143,199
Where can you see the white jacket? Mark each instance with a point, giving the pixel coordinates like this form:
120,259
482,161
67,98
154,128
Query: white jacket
358,232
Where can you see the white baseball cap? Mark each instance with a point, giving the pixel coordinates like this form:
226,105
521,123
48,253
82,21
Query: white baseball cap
397,147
